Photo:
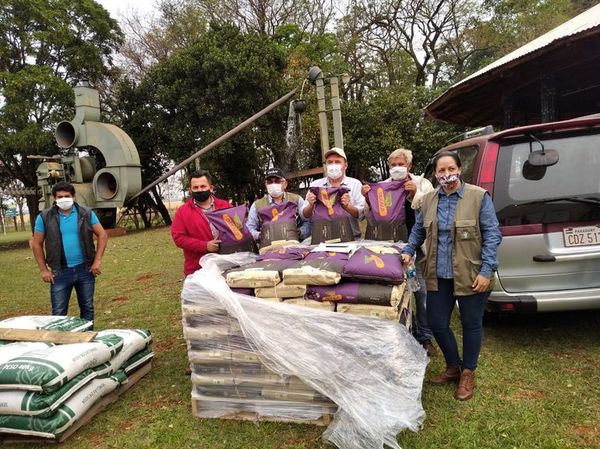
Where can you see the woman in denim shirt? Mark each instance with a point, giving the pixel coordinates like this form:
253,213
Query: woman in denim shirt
460,230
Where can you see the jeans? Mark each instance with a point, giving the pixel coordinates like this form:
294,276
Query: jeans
84,282
421,330
440,305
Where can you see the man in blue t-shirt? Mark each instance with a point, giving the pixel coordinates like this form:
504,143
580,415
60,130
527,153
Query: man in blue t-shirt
68,257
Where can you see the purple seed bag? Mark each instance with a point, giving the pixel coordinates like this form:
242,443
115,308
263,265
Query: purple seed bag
288,253
352,293
366,265
328,206
233,233
387,200
243,291
285,212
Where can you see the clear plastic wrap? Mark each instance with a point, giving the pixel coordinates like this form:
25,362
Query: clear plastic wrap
372,369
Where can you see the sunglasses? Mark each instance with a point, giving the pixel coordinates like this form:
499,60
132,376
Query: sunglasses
274,181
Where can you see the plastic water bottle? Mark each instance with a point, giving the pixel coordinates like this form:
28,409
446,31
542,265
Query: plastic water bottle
412,282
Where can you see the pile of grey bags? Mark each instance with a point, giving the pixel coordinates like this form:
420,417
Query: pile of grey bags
258,359
230,380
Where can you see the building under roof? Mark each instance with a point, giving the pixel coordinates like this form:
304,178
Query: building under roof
554,77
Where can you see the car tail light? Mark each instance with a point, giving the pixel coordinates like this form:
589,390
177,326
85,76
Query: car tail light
488,167
507,307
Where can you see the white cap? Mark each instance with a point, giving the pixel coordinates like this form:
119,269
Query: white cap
336,150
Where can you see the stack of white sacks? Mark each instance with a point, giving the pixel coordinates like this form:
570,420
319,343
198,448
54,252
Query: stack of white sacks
46,388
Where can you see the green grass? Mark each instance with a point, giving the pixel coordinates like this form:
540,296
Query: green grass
13,236
538,379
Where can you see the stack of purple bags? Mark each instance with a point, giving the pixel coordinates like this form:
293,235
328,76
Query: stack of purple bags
368,281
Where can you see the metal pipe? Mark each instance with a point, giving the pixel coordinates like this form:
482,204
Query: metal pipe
232,132
322,111
336,113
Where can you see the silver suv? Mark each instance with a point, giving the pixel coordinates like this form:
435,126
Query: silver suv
545,183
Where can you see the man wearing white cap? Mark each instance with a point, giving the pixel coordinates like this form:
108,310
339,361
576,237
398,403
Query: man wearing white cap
353,202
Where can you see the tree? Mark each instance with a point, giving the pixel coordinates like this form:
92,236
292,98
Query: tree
45,46
149,41
511,24
266,16
202,91
391,118
415,31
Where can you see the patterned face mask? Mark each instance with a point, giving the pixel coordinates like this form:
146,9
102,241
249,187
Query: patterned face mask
447,180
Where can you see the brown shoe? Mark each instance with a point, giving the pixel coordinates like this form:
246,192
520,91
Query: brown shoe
452,374
430,348
466,385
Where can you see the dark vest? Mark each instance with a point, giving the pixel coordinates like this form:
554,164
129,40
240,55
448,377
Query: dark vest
55,254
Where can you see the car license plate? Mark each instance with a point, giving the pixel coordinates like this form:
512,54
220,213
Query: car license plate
582,236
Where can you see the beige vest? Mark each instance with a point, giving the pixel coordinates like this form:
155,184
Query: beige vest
466,240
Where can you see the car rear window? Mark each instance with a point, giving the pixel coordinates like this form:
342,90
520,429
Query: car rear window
467,157
565,192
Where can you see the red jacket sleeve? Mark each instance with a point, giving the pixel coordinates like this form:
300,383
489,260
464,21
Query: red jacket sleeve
182,239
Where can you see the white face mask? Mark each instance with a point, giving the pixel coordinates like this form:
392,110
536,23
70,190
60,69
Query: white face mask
64,203
334,171
398,173
275,190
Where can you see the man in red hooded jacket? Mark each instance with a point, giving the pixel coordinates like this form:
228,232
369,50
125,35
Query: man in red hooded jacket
191,230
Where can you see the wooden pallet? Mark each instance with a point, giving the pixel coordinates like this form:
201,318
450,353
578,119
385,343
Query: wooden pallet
58,337
241,410
86,418
324,420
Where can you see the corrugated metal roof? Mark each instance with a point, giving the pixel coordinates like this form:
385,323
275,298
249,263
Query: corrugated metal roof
584,21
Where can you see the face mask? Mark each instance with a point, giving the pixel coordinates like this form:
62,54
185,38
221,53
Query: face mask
201,196
64,203
447,180
275,190
398,173
334,171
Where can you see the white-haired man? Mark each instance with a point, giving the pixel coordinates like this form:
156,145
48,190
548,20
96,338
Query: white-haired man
400,166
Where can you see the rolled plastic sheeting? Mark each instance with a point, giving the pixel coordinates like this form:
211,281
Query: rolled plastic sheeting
372,369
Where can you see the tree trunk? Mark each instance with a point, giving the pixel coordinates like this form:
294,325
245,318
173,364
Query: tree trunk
20,207
33,206
143,208
160,206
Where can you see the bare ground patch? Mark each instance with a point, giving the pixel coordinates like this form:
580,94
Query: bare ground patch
588,433
145,277
164,344
524,394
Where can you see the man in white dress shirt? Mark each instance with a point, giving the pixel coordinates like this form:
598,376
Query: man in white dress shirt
353,202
